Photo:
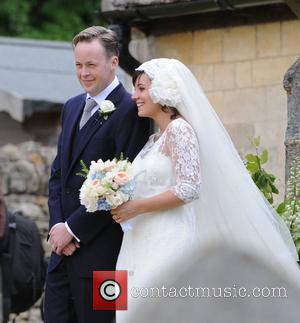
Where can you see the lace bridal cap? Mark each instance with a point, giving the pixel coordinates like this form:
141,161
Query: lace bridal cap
230,209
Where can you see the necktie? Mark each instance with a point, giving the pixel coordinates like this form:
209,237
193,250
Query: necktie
89,105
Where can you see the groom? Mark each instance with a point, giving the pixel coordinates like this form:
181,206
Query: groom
82,242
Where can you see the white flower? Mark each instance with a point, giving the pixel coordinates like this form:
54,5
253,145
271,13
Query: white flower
106,108
164,90
115,199
88,196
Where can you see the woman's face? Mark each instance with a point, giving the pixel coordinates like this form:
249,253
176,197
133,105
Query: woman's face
146,107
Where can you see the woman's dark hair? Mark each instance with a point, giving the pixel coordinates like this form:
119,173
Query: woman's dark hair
173,111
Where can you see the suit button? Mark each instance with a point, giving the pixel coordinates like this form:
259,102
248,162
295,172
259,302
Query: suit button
68,191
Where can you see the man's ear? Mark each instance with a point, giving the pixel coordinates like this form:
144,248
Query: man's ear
114,61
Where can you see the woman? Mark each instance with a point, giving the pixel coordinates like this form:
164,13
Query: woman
192,187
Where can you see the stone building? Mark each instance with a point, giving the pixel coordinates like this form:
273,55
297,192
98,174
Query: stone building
238,50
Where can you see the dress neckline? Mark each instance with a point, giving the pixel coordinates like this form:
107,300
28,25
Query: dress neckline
157,135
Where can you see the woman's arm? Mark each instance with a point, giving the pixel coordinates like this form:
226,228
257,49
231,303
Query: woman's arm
182,147
157,203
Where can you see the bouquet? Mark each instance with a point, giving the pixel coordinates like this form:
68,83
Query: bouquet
108,184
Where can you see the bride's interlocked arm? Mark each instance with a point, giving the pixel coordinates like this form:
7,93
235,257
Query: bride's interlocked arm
182,146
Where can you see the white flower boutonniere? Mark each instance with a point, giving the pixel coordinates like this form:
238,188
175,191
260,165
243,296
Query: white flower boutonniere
106,108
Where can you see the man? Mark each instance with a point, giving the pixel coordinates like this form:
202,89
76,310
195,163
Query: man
84,242
3,225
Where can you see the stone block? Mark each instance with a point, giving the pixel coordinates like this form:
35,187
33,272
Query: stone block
290,35
204,74
207,46
244,104
243,74
268,39
216,99
174,46
269,71
224,76
239,43
276,107
241,135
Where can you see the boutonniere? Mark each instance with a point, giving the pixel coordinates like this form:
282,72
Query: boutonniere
106,108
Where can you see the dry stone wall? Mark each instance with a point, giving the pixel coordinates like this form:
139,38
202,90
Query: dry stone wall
24,174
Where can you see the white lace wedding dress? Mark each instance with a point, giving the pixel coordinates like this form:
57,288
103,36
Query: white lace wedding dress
169,161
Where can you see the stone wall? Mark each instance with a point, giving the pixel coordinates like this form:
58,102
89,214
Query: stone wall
241,69
41,127
24,174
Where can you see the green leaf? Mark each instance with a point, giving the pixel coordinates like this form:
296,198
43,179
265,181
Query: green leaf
84,170
274,188
263,183
253,168
264,157
251,158
256,141
281,208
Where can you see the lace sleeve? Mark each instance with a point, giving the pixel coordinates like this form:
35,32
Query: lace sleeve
182,145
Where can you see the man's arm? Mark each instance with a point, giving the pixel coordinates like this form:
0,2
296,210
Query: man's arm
131,133
54,200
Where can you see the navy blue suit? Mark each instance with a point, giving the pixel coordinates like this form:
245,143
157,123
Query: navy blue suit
100,237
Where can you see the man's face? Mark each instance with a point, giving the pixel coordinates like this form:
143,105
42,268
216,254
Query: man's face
95,71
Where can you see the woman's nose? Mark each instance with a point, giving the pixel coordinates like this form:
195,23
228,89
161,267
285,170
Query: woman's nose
134,96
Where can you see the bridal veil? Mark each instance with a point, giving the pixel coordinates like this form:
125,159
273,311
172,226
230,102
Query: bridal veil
231,209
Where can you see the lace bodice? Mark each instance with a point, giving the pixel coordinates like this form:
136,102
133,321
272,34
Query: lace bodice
171,158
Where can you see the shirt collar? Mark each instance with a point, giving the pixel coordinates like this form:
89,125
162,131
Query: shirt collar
99,98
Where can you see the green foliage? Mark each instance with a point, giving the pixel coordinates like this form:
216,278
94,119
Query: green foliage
290,208
263,180
47,19
84,170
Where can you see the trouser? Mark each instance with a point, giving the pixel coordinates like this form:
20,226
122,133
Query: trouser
68,298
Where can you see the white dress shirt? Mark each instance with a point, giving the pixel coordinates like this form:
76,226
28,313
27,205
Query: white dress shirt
99,98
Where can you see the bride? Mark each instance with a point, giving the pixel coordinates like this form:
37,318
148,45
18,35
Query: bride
192,187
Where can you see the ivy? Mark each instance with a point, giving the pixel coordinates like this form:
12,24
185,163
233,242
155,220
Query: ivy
263,180
289,210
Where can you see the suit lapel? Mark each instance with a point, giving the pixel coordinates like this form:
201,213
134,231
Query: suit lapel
93,125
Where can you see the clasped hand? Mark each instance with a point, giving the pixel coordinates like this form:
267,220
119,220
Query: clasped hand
126,211
62,242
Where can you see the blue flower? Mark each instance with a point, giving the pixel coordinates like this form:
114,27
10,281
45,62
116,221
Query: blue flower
97,175
103,205
128,188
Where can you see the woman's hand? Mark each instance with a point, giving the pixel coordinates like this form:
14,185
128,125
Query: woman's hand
126,211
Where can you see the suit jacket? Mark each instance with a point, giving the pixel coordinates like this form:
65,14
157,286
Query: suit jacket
123,132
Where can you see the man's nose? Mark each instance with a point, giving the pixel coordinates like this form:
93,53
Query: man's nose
85,70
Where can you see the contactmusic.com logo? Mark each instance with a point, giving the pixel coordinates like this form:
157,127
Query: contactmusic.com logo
110,290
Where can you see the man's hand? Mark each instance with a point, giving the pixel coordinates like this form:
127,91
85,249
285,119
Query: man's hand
59,238
70,248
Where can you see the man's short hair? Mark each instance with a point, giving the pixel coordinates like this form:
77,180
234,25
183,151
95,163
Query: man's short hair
107,38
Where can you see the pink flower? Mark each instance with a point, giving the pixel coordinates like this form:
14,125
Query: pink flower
121,178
